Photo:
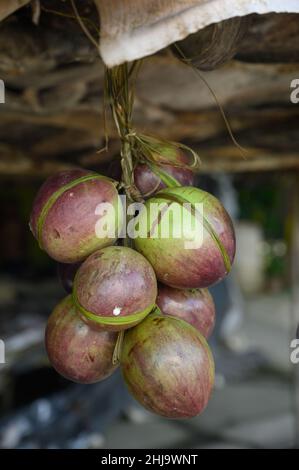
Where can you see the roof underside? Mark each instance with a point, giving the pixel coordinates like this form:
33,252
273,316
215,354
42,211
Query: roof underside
131,30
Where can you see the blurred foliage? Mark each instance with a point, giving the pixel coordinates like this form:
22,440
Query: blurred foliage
264,199
262,204
275,265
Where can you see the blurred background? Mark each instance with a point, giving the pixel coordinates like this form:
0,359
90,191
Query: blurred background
52,119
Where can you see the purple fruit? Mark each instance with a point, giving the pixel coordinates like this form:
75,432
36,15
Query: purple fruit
115,288
168,366
65,214
195,306
66,274
149,183
168,158
75,350
190,255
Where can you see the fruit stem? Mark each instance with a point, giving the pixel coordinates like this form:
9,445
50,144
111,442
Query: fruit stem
118,348
121,98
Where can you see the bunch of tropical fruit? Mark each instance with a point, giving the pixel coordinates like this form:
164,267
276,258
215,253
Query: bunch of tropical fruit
142,306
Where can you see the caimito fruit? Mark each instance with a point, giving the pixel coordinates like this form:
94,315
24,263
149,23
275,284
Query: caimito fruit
167,158
115,288
195,306
148,182
167,366
66,212
75,350
190,240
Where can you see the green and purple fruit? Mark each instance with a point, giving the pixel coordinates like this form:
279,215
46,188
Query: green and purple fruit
167,366
187,236
149,182
75,350
115,288
195,306
66,212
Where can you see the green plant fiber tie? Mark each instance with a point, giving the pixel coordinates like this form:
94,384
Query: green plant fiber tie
111,320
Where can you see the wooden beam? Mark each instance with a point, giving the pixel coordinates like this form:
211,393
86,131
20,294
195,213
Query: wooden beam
272,38
229,159
7,7
54,102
